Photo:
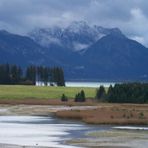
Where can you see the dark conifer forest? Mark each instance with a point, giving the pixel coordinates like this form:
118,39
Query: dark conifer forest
13,74
124,93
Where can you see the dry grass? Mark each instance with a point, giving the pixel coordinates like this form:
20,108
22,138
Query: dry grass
110,114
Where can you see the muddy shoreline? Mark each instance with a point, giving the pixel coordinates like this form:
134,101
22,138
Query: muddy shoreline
94,140
38,110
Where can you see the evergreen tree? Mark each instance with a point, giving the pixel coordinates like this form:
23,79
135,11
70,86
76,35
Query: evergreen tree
64,98
82,93
31,74
80,97
15,74
128,93
46,75
100,93
109,93
4,74
7,74
57,76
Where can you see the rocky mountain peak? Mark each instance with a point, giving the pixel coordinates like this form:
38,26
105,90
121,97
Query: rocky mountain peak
76,36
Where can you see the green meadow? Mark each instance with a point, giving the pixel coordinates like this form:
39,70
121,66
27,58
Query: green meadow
37,92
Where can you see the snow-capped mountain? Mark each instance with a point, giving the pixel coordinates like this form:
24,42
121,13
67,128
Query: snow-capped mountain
102,54
76,36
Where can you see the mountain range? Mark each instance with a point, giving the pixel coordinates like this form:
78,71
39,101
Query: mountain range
85,52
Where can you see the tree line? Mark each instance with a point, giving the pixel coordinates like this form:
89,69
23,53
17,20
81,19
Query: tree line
13,74
124,93
120,93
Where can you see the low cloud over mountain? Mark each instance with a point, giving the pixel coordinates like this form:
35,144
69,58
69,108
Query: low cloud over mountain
85,51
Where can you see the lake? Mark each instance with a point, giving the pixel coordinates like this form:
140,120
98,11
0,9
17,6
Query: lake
89,84
82,84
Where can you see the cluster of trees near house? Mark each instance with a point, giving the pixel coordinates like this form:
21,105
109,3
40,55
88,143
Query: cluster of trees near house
13,74
124,93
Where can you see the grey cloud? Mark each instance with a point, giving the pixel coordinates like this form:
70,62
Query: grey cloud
21,16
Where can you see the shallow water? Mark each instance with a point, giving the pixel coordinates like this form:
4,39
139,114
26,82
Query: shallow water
41,131
52,132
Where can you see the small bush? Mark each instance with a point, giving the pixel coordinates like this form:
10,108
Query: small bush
128,117
124,115
80,97
131,115
141,115
64,98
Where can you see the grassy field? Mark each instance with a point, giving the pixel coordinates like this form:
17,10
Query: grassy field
21,92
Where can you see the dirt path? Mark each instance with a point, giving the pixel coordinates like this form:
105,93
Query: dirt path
43,110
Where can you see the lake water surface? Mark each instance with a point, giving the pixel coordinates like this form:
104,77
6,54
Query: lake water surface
82,84
89,84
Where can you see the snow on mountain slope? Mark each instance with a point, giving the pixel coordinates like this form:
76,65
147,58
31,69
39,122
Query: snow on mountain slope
76,36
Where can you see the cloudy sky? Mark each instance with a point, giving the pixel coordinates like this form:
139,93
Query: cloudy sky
131,16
